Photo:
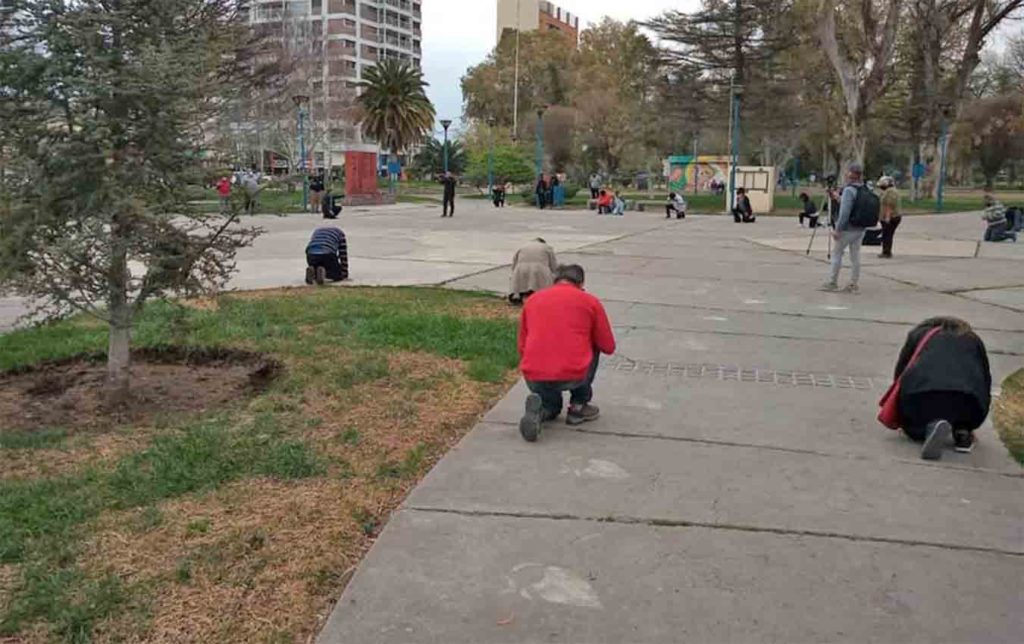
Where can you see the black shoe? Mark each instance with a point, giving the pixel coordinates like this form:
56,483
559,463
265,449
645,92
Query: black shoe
321,275
310,275
529,424
939,432
579,414
963,440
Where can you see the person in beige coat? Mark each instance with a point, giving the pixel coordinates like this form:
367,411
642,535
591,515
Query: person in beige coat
532,269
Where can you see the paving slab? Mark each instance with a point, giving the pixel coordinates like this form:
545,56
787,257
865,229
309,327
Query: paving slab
1002,250
1009,297
452,579
951,275
825,420
593,475
907,247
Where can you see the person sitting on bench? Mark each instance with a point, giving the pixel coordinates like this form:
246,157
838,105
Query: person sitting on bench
810,211
326,256
677,205
742,211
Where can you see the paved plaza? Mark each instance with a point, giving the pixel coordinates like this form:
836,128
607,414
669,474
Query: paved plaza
737,487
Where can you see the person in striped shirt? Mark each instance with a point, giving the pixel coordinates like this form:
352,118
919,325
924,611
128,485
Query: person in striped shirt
326,256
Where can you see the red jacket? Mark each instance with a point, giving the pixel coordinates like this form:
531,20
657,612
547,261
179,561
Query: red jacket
560,328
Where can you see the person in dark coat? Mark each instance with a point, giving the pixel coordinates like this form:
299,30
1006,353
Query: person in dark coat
448,202
742,212
810,211
947,390
329,205
542,192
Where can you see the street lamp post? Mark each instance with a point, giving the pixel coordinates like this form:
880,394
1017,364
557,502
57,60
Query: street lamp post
696,166
446,123
300,103
735,92
490,160
540,142
943,151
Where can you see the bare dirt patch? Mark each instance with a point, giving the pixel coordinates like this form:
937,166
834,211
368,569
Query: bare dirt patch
70,393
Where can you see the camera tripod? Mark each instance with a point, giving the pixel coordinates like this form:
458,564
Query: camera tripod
826,210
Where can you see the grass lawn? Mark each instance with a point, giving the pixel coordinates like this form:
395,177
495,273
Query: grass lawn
241,524
1009,415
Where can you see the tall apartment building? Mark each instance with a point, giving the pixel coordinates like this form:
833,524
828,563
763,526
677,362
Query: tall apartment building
343,38
531,15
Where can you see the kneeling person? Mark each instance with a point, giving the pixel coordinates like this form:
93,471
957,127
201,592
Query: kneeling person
326,256
562,332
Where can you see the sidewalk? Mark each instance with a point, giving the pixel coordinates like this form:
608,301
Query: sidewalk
736,488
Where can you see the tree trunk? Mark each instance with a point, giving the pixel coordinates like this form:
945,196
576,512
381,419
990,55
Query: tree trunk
119,346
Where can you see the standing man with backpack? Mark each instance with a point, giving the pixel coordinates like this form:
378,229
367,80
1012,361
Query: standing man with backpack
859,209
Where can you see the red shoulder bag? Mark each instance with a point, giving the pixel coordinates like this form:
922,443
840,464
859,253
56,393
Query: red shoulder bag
890,402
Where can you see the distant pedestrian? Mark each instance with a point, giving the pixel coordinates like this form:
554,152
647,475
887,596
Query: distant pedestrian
541,192
329,205
943,388
224,192
742,211
595,185
562,332
676,206
557,192
891,214
997,226
448,199
809,212
498,195
316,191
326,256
251,186
533,269
858,210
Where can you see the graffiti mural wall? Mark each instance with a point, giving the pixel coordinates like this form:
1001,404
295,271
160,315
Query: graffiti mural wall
682,171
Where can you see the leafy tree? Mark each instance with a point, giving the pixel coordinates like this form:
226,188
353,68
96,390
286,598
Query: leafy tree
993,132
429,162
545,61
511,163
102,117
395,110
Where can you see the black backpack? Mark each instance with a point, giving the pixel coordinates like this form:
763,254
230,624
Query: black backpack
866,209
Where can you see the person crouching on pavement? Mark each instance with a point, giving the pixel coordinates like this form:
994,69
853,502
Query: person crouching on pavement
562,332
533,269
676,206
946,389
326,256
810,211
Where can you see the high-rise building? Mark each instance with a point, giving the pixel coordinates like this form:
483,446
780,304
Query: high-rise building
531,15
337,40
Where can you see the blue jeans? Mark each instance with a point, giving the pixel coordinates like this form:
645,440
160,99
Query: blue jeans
580,392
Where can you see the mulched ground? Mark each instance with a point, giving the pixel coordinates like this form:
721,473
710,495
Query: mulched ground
70,394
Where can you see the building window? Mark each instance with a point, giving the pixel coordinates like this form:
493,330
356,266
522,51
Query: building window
317,7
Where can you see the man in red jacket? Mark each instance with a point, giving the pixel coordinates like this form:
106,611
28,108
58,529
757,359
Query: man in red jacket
562,333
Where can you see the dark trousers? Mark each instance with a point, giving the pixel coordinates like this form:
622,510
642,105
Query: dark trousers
741,216
670,210
998,233
580,393
888,232
448,206
541,201
812,220
336,266
499,198
595,193
958,409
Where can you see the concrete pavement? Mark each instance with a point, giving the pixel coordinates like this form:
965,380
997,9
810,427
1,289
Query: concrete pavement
737,487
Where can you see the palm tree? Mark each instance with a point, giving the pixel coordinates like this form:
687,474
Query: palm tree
394,108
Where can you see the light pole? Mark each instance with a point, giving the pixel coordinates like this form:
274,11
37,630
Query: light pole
735,92
696,166
515,87
446,123
540,141
490,160
943,151
300,103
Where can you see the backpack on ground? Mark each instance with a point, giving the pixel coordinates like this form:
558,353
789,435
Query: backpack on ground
866,209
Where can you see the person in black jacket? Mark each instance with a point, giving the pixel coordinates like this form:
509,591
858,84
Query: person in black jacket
947,390
448,202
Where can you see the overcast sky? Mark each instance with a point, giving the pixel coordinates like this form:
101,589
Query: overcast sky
458,34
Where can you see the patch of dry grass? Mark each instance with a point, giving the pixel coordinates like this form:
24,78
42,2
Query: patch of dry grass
1009,415
265,559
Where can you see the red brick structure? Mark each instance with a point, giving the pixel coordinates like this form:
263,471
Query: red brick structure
361,179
